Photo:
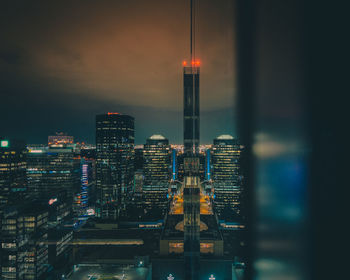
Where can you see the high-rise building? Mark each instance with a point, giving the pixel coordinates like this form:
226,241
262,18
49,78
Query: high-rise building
191,107
13,182
226,173
52,172
114,162
157,171
24,246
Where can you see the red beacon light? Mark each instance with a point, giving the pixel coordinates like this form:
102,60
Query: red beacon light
112,113
193,63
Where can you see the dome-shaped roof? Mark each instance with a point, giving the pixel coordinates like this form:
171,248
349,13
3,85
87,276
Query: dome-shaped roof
225,137
157,137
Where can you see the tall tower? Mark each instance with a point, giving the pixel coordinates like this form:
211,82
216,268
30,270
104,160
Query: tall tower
114,162
156,169
191,190
191,107
226,153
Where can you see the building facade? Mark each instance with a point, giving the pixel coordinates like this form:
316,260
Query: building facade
114,162
226,177
191,109
156,171
24,242
13,182
52,172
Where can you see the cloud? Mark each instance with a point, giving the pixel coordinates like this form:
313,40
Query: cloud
120,54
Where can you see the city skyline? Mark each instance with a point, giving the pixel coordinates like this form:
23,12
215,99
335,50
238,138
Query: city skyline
96,56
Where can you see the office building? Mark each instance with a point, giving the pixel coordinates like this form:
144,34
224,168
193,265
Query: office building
52,172
156,171
114,162
226,173
35,223
13,182
24,243
14,245
60,139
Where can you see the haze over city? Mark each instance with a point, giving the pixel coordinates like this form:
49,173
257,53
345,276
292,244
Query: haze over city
61,64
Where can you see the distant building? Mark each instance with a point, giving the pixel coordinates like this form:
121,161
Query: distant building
88,156
138,181
60,139
60,211
114,162
138,161
157,171
226,153
53,171
88,153
13,181
83,198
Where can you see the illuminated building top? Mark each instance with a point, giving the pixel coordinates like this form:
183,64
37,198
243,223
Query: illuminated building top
225,137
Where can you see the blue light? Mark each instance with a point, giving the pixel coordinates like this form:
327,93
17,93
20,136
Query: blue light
208,164
174,164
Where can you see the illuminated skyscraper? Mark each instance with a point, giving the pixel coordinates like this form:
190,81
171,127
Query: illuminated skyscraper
114,162
226,173
13,182
157,171
52,172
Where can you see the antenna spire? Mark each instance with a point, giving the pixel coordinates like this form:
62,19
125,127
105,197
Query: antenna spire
192,30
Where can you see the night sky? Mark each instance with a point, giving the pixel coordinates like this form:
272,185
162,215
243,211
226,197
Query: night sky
63,62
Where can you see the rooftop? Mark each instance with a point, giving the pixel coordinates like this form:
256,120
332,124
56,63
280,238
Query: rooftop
157,137
225,137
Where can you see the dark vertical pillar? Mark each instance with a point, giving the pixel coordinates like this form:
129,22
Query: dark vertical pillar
191,218
191,109
246,43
